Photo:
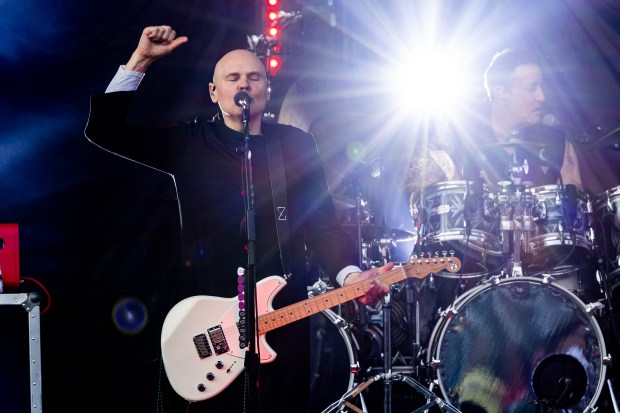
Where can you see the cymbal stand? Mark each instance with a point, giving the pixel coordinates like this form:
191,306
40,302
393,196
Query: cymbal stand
516,213
358,222
387,353
432,398
522,225
388,377
509,226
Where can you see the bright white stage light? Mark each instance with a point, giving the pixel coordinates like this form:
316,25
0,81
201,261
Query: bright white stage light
428,83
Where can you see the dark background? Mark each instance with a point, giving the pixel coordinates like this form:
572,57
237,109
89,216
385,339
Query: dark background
96,229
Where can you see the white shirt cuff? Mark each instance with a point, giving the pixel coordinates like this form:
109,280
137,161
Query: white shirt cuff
346,271
125,80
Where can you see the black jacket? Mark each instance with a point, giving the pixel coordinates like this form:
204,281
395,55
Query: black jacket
203,158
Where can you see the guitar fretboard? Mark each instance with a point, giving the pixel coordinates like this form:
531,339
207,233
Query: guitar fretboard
416,268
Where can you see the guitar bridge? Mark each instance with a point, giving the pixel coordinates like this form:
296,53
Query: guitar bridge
220,345
202,346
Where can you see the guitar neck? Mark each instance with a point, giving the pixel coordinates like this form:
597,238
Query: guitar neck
417,269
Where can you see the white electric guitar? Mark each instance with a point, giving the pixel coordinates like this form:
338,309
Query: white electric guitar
200,336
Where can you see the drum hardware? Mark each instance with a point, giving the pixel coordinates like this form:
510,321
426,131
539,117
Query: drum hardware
605,233
360,208
326,352
358,215
613,396
432,398
607,217
514,215
388,377
515,223
506,225
413,319
559,381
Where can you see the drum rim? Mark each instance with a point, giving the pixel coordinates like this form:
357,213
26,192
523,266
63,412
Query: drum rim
349,340
552,239
453,184
442,324
600,200
610,191
550,187
479,240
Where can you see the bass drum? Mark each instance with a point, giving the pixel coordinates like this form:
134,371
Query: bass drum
517,345
333,359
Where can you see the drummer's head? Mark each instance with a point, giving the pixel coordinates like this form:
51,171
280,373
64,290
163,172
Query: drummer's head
513,82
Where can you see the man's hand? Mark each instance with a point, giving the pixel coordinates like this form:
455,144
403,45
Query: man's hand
377,290
155,42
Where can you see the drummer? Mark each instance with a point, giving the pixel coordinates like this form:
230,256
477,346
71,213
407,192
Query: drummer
505,140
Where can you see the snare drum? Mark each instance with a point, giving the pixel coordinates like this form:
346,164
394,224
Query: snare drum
509,344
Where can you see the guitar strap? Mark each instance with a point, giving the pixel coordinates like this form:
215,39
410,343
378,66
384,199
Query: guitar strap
280,203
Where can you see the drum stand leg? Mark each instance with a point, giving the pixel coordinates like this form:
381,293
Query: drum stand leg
388,378
613,396
387,354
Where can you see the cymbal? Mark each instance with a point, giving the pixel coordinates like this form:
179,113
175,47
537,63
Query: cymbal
343,203
374,232
514,144
611,139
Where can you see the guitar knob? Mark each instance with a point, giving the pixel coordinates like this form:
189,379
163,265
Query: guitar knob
219,364
201,387
210,376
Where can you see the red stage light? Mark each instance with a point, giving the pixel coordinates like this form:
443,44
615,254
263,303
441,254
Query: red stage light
274,63
273,31
272,15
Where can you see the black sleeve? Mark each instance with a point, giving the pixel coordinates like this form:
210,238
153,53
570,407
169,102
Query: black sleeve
161,148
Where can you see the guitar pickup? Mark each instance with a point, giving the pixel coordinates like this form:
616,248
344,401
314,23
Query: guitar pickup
202,345
220,345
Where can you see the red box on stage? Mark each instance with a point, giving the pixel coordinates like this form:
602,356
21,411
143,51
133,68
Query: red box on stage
9,256
20,347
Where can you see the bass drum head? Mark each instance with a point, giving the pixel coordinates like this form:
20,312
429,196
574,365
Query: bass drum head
517,345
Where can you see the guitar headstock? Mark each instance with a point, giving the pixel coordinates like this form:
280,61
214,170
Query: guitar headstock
419,267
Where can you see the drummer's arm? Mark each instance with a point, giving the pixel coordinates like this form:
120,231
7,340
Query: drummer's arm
570,171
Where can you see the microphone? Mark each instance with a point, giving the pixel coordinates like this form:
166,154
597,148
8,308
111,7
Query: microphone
580,133
242,99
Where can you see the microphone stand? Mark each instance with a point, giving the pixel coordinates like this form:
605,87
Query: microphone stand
358,222
252,361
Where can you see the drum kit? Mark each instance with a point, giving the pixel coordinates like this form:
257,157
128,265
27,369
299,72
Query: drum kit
522,327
